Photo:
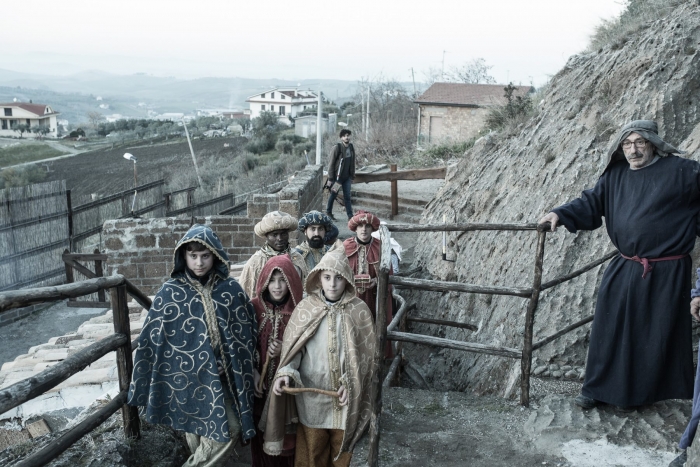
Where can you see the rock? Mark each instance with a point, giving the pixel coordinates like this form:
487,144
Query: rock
547,373
505,178
571,374
557,374
553,367
539,370
565,368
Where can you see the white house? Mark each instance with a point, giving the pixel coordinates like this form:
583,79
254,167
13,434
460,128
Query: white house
284,102
17,113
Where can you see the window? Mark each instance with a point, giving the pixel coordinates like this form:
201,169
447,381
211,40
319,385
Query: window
262,96
272,107
4,124
8,112
282,96
304,107
281,110
262,107
272,95
28,123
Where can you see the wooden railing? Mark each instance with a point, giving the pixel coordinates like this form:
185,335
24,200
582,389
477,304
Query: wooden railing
395,175
27,389
532,293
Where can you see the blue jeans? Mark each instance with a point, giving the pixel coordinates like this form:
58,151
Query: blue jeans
347,184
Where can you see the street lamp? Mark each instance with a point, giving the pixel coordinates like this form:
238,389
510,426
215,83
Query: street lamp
130,157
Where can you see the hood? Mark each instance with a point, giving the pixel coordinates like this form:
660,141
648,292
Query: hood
649,130
202,234
336,261
284,264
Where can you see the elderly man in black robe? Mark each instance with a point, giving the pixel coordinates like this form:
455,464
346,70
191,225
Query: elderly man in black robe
640,347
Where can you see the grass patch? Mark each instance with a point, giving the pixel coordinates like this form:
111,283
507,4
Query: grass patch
434,408
27,152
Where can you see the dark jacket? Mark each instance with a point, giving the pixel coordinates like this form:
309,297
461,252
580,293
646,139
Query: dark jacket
348,170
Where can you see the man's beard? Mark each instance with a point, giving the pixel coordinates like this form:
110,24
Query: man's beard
316,242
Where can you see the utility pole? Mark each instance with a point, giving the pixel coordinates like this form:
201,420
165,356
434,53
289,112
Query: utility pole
367,121
413,75
442,75
319,133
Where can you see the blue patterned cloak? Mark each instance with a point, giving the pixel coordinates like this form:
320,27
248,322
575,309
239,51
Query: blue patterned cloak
175,373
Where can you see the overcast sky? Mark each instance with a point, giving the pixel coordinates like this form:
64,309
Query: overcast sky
524,40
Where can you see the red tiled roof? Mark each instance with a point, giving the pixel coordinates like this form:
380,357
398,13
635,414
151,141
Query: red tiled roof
464,94
37,109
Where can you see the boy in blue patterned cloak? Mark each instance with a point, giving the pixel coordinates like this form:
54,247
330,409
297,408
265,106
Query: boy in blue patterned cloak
193,368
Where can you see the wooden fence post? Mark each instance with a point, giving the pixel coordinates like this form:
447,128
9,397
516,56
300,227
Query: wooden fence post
394,195
98,273
526,361
125,362
380,326
69,274
69,206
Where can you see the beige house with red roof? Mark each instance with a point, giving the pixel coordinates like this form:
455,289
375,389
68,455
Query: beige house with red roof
284,102
16,113
457,111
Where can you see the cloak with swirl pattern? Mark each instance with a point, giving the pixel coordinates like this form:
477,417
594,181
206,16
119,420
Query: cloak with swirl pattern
175,374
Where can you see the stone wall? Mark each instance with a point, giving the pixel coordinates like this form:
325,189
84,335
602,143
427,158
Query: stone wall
458,123
142,249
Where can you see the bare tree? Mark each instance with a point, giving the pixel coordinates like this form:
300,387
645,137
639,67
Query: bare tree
95,118
474,72
432,75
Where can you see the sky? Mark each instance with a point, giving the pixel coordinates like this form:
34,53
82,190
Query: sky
524,42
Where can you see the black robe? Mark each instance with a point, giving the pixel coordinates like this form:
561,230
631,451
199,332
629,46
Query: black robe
640,349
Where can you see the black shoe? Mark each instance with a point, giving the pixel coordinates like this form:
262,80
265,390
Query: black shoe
330,214
586,402
680,460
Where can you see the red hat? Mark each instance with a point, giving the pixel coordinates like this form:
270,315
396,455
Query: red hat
363,217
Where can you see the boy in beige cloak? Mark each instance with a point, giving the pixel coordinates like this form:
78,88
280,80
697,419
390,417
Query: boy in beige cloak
329,344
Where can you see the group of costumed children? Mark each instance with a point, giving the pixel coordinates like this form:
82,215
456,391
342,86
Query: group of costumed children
287,374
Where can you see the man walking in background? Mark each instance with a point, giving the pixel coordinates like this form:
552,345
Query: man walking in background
341,173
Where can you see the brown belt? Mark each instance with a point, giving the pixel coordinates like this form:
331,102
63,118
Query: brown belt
645,261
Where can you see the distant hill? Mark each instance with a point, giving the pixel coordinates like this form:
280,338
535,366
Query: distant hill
74,95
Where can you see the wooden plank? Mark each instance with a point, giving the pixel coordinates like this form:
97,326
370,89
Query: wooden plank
399,314
392,371
69,275
442,322
443,286
526,360
67,439
87,304
125,362
85,256
27,389
38,428
558,334
380,326
580,271
394,194
98,273
26,297
116,196
417,174
455,345
458,227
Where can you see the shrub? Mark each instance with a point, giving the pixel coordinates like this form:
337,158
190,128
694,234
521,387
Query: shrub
515,111
284,146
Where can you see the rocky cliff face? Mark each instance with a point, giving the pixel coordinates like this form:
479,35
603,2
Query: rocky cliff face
518,177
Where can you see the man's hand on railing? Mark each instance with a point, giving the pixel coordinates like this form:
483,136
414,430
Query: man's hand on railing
552,218
695,308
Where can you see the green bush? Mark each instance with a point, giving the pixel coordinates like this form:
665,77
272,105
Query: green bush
516,110
21,176
301,147
284,146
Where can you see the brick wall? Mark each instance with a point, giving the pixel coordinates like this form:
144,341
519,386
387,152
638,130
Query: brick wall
142,249
458,123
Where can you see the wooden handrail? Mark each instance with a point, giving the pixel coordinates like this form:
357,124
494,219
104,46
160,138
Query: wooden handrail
578,272
67,439
443,286
452,344
26,297
414,174
558,334
457,227
27,389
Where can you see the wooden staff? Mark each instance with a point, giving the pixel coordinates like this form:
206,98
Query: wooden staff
295,391
259,388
